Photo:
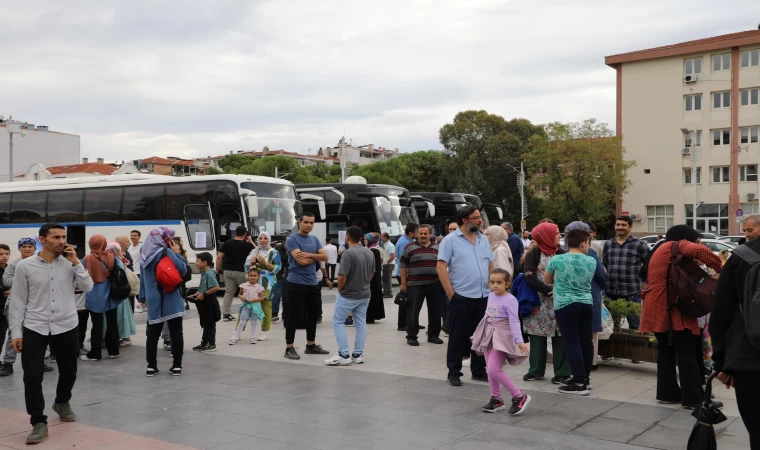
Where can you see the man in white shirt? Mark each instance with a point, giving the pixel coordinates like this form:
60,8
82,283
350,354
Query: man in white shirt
526,239
332,258
134,251
389,264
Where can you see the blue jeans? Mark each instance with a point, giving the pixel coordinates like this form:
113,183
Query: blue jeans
344,307
633,321
276,296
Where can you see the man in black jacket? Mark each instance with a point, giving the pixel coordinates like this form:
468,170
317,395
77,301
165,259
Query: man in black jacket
736,360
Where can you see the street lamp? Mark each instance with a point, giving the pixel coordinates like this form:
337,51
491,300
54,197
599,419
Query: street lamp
13,128
692,137
521,184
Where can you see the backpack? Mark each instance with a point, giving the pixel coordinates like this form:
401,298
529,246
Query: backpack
750,304
167,275
691,287
120,288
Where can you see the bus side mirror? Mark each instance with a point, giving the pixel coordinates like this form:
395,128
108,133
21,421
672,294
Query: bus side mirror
253,206
500,212
431,209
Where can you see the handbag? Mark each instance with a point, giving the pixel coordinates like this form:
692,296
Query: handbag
608,325
134,283
120,287
400,299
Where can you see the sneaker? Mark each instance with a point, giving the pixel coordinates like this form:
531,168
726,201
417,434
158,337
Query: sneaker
574,389
6,370
338,360
123,344
315,349
529,377
319,320
38,434
199,348
665,402
64,412
519,404
167,346
349,322
228,318
83,351
496,404
177,371
483,378
209,348
262,336
434,340
357,358
466,362
233,341
560,380
454,380
46,368
413,342
252,340
594,367
291,353
87,358
138,309
275,319
151,372
113,356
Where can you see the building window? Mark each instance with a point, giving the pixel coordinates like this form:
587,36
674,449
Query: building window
748,135
687,139
721,62
722,99
659,218
692,66
751,58
748,172
694,102
710,217
749,96
687,175
722,136
720,174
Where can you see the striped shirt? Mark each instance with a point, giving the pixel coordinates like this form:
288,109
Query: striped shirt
420,263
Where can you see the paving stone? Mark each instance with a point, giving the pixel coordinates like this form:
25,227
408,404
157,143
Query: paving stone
586,405
421,437
611,429
552,421
667,438
586,443
638,413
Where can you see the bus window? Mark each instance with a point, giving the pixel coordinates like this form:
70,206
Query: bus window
229,219
102,205
199,231
65,206
5,208
28,207
143,203
181,194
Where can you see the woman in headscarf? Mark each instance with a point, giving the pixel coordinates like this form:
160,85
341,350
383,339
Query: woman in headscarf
598,284
161,306
267,259
497,237
541,325
376,309
124,316
100,263
665,324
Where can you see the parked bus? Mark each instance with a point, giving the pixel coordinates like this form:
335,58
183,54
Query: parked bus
373,207
204,211
445,206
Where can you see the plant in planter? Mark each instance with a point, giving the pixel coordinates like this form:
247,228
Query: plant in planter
620,308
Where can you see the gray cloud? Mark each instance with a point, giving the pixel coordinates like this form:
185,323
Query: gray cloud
206,77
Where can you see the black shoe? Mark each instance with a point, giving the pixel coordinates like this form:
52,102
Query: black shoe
560,380
445,329
387,295
594,367
421,327
530,377
199,348
315,349
483,378
636,361
454,380
319,320
150,372
574,389
46,368
519,404
291,353
435,340
413,342
275,319
349,321
187,306
167,345
6,370
176,371
496,404
228,318
401,329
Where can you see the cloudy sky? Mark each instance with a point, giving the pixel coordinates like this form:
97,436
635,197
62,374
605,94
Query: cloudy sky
200,78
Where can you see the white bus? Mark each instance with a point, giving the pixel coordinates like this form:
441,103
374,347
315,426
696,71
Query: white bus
203,210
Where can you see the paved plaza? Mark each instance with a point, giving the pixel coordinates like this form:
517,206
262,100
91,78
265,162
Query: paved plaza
249,397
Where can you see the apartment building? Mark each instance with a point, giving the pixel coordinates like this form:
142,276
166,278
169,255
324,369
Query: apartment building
690,113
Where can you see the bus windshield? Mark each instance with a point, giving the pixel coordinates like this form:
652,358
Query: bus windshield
388,214
278,206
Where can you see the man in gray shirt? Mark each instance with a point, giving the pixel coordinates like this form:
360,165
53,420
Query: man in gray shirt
357,266
43,312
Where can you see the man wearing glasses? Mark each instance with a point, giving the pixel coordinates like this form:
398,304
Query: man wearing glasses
464,261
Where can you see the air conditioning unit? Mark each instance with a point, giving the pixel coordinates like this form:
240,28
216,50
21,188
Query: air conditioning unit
686,151
636,217
751,196
688,79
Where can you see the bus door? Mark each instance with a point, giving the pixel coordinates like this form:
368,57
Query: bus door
76,237
200,233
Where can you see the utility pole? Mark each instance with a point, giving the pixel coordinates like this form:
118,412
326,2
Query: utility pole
275,172
692,136
13,128
523,206
342,160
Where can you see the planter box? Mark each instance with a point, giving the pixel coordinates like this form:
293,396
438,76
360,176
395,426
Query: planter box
626,344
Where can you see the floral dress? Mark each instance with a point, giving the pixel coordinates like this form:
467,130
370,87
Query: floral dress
544,323
268,279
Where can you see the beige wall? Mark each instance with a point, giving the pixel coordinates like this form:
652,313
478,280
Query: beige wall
55,149
653,113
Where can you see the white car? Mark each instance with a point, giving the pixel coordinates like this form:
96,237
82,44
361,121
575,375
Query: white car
710,236
651,241
732,239
717,245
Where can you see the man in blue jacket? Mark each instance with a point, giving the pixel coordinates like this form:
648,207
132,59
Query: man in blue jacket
515,244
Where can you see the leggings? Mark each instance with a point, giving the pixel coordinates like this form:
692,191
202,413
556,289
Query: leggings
496,377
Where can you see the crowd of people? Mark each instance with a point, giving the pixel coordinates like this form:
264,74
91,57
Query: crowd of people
498,296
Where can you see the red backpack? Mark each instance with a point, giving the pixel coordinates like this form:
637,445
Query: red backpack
167,275
690,288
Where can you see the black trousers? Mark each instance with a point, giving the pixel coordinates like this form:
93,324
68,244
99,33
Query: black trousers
401,311
3,326
574,322
178,343
464,316
331,271
747,385
66,348
304,308
416,296
681,353
209,333
96,335
83,316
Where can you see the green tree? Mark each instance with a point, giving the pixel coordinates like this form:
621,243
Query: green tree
422,171
213,171
583,167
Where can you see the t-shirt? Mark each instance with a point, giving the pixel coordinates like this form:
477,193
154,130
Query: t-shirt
332,254
297,273
320,276
252,291
573,273
134,251
390,249
358,265
235,253
208,281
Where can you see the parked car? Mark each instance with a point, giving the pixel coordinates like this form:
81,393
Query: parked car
710,236
651,241
717,245
732,239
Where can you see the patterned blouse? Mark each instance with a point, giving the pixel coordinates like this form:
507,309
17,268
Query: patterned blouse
544,323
